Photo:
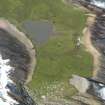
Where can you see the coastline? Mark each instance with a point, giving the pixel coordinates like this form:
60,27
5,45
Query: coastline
6,25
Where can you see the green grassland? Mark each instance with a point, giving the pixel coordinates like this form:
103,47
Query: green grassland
57,59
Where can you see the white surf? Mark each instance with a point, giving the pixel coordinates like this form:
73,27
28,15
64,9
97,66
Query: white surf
5,70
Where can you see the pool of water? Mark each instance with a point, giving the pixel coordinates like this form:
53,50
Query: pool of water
38,31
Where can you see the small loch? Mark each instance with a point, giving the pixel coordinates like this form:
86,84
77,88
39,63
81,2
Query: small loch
38,31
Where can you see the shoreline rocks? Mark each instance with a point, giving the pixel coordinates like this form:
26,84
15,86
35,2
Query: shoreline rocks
11,30
17,65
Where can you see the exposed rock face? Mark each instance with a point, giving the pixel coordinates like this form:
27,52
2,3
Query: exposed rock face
87,90
80,83
19,93
17,62
89,5
19,49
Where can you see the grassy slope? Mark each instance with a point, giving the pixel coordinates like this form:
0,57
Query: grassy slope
58,58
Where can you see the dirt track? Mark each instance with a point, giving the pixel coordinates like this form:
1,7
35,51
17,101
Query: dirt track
89,46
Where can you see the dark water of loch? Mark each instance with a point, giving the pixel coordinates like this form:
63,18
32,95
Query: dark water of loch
38,31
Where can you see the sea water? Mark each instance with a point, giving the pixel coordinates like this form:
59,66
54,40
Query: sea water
5,70
98,3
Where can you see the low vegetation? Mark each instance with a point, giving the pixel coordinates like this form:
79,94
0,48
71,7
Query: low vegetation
59,58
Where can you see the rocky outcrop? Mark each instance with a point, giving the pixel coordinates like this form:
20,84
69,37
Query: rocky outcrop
20,50
17,62
87,90
87,5
19,93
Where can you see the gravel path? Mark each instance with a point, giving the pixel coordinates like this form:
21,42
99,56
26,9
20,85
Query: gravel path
89,46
